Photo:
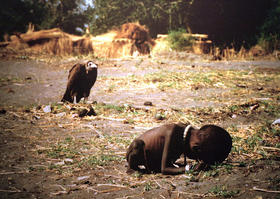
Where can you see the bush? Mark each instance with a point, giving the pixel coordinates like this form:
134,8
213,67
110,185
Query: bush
179,40
269,38
270,42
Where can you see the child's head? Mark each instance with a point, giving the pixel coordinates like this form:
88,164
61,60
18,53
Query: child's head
211,144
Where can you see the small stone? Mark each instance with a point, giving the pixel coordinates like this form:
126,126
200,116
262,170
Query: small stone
82,178
60,114
47,109
27,110
75,115
82,112
35,117
91,112
276,122
3,111
148,103
60,163
68,161
158,116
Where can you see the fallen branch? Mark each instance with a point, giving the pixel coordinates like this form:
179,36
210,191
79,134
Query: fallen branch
112,185
131,196
110,190
270,148
96,131
8,173
264,190
10,191
58,193
112,119
188,193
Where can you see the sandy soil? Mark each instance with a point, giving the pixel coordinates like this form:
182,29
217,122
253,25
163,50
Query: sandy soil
60,155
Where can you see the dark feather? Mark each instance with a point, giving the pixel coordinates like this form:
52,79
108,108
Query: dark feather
80,81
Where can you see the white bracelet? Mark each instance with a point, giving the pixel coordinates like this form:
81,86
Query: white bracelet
187,167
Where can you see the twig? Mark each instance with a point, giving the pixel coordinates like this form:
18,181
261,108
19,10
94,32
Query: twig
110,190
91,127
132,196
271,148
8,173
10,191
113,119
15,114
159,184
264,190
58,185
112,185
58,193
188,193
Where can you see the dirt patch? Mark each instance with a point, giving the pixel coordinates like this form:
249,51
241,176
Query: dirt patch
58,154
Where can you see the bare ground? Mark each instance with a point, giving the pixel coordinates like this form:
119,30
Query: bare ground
58,154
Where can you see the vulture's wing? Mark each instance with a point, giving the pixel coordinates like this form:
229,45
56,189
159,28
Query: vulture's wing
76,74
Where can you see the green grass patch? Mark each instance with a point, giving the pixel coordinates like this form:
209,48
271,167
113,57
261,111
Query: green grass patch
179,40
102,160
65,149
222,191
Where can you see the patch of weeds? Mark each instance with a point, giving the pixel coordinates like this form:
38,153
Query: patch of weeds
253,141
129,121
148,186
274,182
242,164
56,107
102,160
211,173
117,140
228,168
271,107
111,88
263,153
137,174
109,107
275,132
40,169
10,79
179,40
57,168
64,149
68,139
221,191
234,108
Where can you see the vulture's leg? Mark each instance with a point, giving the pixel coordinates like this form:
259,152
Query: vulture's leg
85,100
75,100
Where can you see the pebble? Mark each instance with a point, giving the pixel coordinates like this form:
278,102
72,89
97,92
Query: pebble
47,109
148,103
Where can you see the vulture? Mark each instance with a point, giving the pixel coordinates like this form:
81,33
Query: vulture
81,78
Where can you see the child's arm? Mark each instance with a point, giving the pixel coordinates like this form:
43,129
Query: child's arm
166,161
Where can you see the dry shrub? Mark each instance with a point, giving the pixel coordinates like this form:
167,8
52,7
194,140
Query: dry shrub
133,31
53,41
256,51
125,41
128,40
161,45
114,48
138,34
202,47
83,46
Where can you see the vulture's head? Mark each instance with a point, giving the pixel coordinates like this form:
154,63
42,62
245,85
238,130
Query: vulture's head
90,66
